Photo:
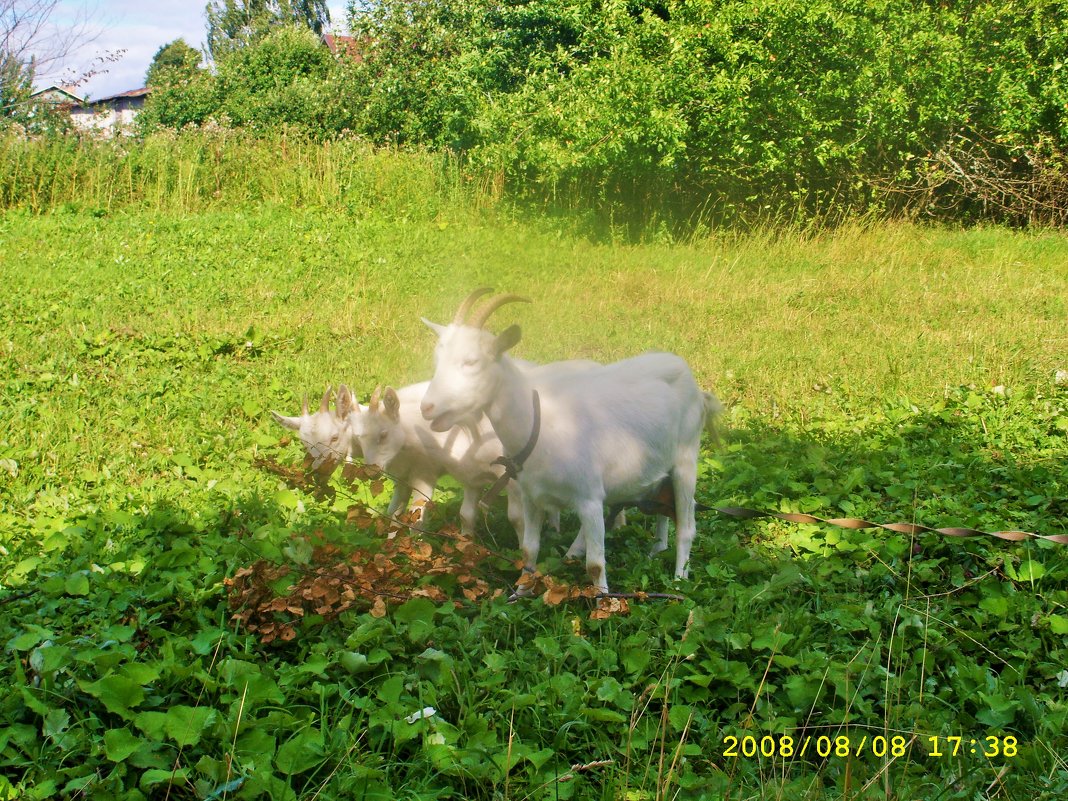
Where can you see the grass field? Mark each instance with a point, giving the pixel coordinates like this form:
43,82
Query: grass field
888,371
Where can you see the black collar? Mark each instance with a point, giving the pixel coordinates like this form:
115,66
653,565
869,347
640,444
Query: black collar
513,464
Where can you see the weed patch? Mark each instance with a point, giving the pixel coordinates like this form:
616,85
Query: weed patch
183,613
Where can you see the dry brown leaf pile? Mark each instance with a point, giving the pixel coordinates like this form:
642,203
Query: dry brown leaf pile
400,566
555,592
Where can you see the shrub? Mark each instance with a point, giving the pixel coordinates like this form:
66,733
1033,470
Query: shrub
676,109
283,80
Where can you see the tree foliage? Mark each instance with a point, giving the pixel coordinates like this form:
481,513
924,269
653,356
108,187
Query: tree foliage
174,61
285,78
16,84
711,108
233,24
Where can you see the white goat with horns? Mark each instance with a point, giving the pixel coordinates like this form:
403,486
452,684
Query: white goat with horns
326,443
612,434
331,438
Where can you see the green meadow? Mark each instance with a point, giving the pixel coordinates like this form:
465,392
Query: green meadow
153,316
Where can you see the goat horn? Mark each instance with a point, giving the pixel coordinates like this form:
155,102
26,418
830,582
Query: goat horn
304,406
324,404
376,397
484,313
469,301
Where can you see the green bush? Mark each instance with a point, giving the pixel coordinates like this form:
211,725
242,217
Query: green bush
793,104
284,80
675,108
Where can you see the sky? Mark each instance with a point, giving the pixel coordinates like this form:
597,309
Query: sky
139,28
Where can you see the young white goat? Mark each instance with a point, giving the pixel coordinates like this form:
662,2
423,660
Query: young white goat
612,434
392,436
326,443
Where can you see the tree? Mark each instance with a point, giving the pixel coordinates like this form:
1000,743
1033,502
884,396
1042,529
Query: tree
173,62
31,45
16,83
233,24
286,79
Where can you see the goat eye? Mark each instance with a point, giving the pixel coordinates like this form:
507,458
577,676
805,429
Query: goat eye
382,436
470,362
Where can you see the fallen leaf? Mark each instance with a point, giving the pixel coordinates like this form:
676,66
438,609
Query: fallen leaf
607,607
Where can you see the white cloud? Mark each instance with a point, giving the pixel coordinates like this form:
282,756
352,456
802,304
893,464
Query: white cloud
131,32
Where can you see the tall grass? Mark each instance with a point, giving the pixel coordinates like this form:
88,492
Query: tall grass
217,167
768,318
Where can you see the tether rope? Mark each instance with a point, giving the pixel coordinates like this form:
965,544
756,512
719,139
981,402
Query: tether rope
745,513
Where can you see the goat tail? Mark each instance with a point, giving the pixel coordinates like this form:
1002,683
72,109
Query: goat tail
713,410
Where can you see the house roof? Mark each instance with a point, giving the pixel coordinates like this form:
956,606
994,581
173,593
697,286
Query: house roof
343,45
56,89
144,90
132,93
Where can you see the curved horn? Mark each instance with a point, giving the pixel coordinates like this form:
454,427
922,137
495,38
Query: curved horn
376,397
469,301
304,405
324,404
484,313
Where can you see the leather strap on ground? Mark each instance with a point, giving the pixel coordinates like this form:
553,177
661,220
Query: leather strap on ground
901,528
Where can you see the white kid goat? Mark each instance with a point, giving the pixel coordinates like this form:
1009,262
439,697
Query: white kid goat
333,438
399,441
617,432
326,444
393,437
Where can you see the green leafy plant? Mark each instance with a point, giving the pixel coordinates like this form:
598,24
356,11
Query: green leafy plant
146,498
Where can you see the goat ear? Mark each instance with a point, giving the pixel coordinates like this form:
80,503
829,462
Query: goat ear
292,423
392,404
344,401
437,329
507,339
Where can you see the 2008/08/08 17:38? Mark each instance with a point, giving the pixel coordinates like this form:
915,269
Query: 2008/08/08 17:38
843,745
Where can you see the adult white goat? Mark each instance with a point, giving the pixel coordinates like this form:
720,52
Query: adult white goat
613,434
392,434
